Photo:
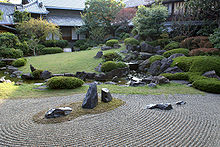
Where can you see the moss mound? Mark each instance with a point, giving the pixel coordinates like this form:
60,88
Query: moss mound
175,51
155,58
111,65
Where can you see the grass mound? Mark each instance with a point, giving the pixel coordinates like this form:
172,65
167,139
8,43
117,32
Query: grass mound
78,111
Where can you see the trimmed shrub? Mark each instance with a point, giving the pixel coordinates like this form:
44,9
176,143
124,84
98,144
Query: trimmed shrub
56,43
84,47
24,47
64,83
10,53
172,45
51,50
111,42
114,56
111,65
176,76
124,35
19,62
196,42
175,51
155,58
209,85
215,38
8,40
179,38
183,63
131,41
204,51
79,43
194,76
40,47
36,74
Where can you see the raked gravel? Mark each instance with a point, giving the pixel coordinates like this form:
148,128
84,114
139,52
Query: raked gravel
196,123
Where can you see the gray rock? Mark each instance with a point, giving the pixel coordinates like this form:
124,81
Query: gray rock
133,66
116,46
110,83
160,52
27,76
160,80
32,68
124,51
2,80
147,80
83,75
3,68
161,106
99,54
11,69
132,47
45,75
184,82
115,79
91,99
155,68
146,47
173,70
145,64
136,84
17,73
102,77
180,103
106,95
104,48
58,112
175,56
145,56
152,85
165,63
98,68
8,61
137,37
211,74
57,75
69,75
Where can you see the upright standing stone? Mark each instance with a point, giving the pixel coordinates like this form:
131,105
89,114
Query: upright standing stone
106,95
91,99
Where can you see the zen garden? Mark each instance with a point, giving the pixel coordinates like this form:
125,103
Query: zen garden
110,73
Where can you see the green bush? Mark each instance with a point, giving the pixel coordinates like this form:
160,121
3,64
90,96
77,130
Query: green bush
160,42
36,74
111,42
84,47
194,76
183,63
8,40
155,58
112,56
179,38
131,41
111,65
19,62
24,47
175,51
51,50
215,38
39,49
10,53
79,43
172,45
176,76
124,35
2,64
209,85
64,83
56,43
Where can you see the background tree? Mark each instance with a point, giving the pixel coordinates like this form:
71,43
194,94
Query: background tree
21,16
125,16
100,13
148,21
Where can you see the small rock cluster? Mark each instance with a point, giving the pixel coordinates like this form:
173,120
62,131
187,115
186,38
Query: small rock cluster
164,106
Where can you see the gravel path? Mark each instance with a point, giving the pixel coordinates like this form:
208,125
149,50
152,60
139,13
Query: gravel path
195,124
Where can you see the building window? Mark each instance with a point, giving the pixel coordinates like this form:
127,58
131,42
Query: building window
74,35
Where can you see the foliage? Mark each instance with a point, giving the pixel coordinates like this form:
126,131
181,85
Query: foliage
111,65
64,83
183,62
78,43
1,13
2,64
204,51
196,42
112,56
21,16
19,62
172,45
179,38
84,47
100,13
215,38
160,42
175,51
148,21
37,74
37,29
124,35
176,76
155,58
24,47
51,50
8,40
97,34
10,53
131,41
56,43
124,16
209,85
111,42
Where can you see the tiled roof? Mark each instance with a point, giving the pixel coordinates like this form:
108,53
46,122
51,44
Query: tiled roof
65,20
34,7
135,3
65,4
8,10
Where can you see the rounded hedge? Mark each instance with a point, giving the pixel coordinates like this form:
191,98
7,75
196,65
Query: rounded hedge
19,62
176,76
56,43
36,74
79,43
155,58
8,40
111,42
111,65
64,83
172,45
209,85
204,51
131,41
175,51
10,53
112,56
51,50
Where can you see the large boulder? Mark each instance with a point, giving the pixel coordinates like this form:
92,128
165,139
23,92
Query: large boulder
146,48
133,66
58,112
45,75
137,83
16,74
27,76
211,74
165,63
99,54
145,56
32,68
91,99
106,95
11,69
160,52
155,68
161,106
173,70
83,75
160,80
144,65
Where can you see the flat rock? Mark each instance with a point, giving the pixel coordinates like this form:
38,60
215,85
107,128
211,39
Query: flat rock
180,103
211,74
152,85
166,106
104,48
58,112
106,95
91,99
45,75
